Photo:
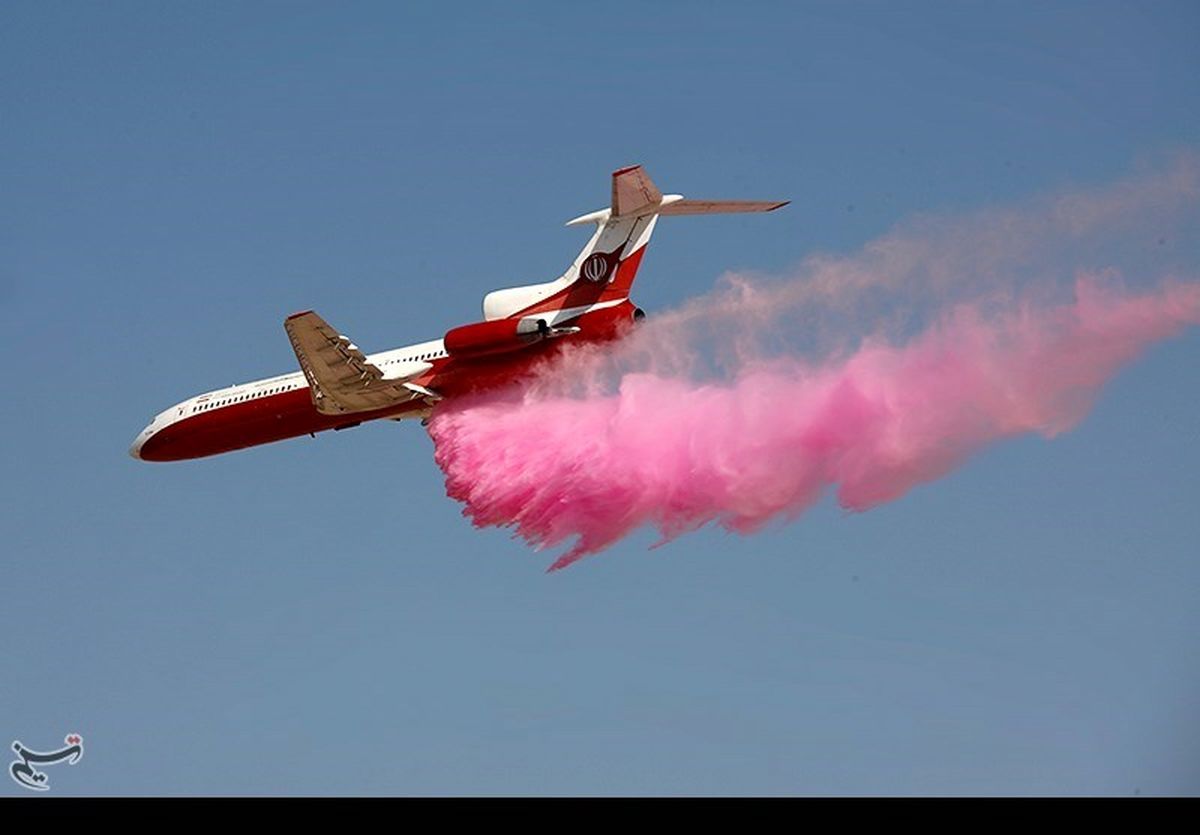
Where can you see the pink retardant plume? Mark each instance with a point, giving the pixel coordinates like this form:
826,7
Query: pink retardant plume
766,444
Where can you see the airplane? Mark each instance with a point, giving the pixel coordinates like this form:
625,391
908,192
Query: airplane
339,387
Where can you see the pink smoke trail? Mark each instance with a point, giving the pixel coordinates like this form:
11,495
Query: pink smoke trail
667,451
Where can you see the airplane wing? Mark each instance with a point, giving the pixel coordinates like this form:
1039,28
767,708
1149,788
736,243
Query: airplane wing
340,379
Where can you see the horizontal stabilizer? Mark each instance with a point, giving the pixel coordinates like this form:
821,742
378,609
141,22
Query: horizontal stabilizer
720,207
634,195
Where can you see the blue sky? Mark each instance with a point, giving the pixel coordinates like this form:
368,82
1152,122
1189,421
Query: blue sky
179,177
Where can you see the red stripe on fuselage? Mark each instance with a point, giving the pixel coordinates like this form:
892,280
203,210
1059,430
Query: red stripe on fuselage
290,414
257,421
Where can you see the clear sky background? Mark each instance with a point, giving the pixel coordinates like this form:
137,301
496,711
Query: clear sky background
316,616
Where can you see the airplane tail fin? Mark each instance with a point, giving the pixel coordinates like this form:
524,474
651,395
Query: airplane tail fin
605,268
634,194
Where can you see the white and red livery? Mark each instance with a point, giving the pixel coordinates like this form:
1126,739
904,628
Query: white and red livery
338,386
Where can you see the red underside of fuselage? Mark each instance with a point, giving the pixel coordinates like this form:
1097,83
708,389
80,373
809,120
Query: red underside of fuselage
291,414
240,425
